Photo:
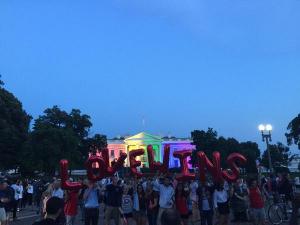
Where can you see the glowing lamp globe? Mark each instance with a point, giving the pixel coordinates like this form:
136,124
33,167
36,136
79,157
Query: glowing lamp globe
261,127
269,127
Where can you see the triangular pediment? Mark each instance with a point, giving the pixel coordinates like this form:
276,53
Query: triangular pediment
143,136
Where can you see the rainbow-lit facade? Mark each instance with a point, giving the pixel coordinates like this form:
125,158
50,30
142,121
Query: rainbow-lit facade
141,140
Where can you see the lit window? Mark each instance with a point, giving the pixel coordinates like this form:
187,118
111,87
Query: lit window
176,163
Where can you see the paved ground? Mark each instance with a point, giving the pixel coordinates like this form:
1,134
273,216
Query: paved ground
29,216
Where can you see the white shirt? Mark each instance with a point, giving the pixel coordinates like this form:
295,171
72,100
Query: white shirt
220,197
21,191
193,193
205,204
30,189
166,195
17,190
58,193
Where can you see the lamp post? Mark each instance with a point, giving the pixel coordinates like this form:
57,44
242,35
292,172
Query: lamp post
266,137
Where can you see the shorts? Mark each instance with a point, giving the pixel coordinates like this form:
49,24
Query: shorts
223,208
184,216
140,213
2,214
258,215
128,215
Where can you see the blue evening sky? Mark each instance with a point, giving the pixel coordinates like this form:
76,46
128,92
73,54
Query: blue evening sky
177,65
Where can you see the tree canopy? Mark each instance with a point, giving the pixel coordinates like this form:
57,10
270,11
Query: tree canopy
293,134
209,141
56,135
14,128
280,156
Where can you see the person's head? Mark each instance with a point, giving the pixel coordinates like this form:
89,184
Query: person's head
220,186
5,183
253,183
56,184
126,189
239,181
149,187
54,207
179,188
170,216
140,189
207,191
284,176
167,181
91,184
85,182
2,184
114,180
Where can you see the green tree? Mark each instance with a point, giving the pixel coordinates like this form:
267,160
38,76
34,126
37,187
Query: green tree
14,128
293,134
252,153
97,142
280,156
56,135
208,142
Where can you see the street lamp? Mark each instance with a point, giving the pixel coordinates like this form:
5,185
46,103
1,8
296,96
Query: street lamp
266,137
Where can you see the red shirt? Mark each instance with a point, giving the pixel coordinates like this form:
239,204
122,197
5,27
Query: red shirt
181,205
71,204
255,197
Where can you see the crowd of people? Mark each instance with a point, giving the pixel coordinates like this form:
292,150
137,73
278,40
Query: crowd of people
154,201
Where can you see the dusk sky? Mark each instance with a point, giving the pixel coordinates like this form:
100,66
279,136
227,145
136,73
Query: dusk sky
177,65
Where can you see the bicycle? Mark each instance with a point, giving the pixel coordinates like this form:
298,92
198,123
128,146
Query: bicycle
279,212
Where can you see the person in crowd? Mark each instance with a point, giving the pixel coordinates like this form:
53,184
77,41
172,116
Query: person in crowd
38,189
54,207
20,193
29,193
238,202
91,205
263,186
166,195
194,199
57,191
206,205
181,202
24,200
81,200
113,202
256,203
17,191
272,187
170,217
127,205
5,198
285,187
139,204
45,196
152,204
221,204
9,205
70,208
